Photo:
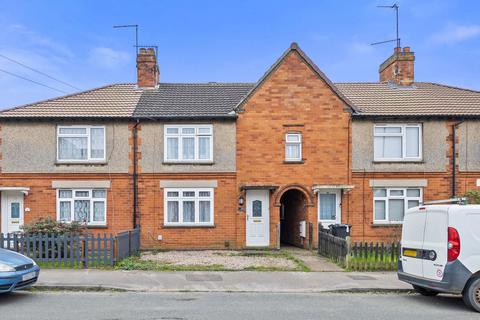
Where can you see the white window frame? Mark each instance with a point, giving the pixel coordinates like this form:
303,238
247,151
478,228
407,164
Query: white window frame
402,134
181,199
180,137
390,197
299,143
72,205
86,135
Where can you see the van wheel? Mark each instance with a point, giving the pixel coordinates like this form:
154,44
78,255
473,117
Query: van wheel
425,292
471,294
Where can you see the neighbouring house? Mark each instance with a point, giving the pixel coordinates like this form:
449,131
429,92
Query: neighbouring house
236,165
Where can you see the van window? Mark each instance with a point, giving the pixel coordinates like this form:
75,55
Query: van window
390,204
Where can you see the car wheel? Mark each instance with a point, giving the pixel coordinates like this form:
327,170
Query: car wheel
425,292
471,294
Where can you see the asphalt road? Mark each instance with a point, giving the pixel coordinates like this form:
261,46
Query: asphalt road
229,306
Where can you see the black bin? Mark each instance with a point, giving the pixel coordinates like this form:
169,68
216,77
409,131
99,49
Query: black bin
340,230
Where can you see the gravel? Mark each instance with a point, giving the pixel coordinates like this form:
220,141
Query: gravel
234,260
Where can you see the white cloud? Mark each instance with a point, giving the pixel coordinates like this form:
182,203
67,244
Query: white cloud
456,33
108,57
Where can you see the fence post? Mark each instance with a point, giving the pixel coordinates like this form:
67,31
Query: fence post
348,240
84,253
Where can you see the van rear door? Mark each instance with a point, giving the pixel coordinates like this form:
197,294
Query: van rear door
412,240
435,242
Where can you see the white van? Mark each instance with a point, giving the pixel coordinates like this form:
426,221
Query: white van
441,251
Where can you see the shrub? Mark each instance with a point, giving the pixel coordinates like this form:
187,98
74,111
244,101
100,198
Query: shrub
473,196
52,226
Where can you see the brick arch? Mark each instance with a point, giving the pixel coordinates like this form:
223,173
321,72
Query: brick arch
310,202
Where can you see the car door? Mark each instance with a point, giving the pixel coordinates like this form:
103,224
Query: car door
412,241
435,243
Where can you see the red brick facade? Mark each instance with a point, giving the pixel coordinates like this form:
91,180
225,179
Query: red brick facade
293,98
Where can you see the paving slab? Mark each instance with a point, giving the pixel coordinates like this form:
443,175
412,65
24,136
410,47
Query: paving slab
236,281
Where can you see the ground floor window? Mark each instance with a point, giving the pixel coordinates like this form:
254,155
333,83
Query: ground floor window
188,207
88,206
390,204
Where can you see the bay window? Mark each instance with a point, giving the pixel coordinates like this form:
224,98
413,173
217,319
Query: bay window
188,207
397,142
87,206
81,143
188,143
390,204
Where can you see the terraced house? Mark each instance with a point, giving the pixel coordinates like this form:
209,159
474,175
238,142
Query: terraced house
235,165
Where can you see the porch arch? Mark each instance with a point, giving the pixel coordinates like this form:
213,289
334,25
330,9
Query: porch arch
309,198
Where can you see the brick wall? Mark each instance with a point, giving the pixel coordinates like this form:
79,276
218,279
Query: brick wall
151,207
41,198
292,98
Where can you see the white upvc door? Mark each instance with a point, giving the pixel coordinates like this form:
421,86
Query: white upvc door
258,218
12,211
329,207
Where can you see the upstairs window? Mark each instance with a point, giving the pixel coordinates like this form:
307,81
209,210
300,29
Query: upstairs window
87,206
390,204
398,142
188,143
293,147
81,143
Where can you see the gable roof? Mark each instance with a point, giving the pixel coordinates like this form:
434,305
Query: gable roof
421,99
191,100
168,100
113,101
295,48
221,100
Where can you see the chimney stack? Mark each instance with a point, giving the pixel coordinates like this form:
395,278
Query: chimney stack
148,72
399,67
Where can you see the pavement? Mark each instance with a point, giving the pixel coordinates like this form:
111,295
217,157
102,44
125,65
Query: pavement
236,281
232,306
312,259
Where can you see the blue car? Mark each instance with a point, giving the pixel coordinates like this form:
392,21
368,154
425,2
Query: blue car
16,271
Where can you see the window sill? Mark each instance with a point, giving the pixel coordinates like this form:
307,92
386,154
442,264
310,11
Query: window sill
187,226
103,226
81,163
294,161
202,163
398,161
386,224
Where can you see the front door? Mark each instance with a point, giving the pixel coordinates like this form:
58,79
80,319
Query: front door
258,218
12,211
329,211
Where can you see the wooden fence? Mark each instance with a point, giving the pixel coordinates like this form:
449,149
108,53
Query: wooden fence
358,256
73,250
332,247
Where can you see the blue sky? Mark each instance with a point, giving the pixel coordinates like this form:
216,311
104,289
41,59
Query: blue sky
229,41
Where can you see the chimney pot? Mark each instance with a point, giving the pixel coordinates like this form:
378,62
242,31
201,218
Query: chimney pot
406,49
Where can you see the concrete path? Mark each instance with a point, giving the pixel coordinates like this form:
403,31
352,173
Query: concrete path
315,262
238,281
